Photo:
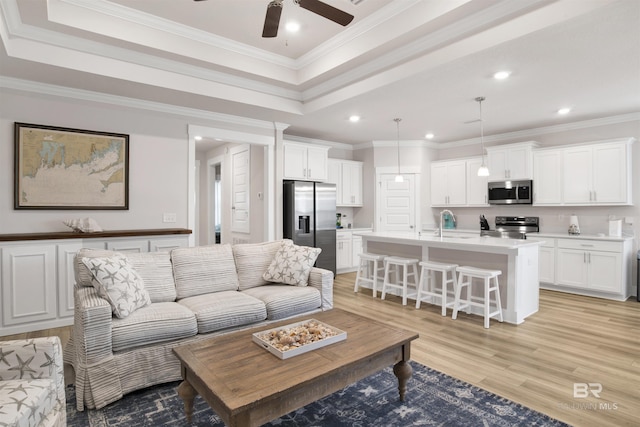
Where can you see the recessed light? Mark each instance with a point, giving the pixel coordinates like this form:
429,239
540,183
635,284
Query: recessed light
565,110
354,119
429,135
197,138
292,27
501,75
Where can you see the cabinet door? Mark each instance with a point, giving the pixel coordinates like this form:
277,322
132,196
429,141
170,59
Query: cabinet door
610,174
546,264
457,183
497,164
572,268
317,164
605,271
28,284
547,177
518,163
476,185
577,172
438,184
352,184
295,162
343,253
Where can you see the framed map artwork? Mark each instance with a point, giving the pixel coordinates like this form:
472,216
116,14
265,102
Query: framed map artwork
61,168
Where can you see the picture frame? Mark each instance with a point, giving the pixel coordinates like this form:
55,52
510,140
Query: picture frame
65,168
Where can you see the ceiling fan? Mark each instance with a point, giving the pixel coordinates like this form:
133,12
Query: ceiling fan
274,10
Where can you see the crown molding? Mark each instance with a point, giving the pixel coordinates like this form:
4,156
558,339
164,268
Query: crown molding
331,144
533,132
122,101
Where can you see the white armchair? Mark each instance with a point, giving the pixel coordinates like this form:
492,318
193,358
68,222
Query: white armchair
32,383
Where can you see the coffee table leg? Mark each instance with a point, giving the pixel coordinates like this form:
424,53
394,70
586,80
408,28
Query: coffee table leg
187,393
402,370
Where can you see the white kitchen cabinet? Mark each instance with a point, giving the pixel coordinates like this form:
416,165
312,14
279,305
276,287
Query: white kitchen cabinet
476,185
356,250
305,162
547,177
598,174
512,161
547,261
347,175
344,255
449,183
592,265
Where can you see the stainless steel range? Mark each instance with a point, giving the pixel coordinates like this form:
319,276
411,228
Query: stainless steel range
513,227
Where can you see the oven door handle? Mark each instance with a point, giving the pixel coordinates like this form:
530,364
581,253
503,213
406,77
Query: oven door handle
517,193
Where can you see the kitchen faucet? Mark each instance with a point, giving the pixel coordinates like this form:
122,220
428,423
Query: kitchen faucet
446,211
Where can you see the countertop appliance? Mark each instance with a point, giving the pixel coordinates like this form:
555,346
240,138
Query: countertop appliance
513,227
309,218
510,192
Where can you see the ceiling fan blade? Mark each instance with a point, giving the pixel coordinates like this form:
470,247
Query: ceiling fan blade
272,20
336,15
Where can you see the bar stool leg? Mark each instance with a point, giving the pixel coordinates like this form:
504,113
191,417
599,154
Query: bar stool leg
443,299
374,284
487,302
456,303
498,299
385,281
405,271
421,284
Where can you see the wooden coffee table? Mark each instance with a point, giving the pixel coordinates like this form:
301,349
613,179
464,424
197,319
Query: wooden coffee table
248,386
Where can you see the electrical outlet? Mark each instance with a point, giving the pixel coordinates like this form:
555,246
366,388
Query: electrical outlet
169,217
628,220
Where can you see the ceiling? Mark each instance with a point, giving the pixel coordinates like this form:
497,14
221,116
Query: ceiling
424,61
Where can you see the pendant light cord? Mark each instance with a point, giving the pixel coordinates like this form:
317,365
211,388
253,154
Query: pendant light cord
397,120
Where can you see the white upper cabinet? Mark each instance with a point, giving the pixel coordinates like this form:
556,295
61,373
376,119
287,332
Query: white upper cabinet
347,175
476,185
598,174
513,161
449,183
547,177
305,162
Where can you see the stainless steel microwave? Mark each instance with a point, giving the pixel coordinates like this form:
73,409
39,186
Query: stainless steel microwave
511,192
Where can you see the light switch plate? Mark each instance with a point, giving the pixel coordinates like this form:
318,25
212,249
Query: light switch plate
169,217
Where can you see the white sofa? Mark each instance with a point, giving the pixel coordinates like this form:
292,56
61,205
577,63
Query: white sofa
195,293
32,383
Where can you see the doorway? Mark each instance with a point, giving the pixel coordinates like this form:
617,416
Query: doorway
215,198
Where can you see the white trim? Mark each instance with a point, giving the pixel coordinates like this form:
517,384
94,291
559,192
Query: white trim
210,225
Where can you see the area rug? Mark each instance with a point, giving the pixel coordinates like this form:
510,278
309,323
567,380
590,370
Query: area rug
433,399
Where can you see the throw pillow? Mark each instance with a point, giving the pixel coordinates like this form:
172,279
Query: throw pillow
118,283
292,264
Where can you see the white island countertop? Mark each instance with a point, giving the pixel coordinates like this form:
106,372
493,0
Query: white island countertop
454,241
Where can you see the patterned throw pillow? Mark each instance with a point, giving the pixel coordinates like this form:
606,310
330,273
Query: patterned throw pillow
292,264
117,282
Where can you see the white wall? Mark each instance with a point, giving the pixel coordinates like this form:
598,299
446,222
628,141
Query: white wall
157,170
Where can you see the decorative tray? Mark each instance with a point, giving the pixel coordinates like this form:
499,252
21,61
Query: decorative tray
297,338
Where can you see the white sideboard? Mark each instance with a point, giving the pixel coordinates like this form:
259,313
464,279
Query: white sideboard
37,275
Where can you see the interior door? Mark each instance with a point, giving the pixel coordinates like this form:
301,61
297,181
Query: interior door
397,203
240,189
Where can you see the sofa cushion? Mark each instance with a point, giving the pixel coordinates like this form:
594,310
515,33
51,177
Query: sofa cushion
158,322
285,301
221,310
118,282
82,274
26,402
157,273
252,260
292,264
204,269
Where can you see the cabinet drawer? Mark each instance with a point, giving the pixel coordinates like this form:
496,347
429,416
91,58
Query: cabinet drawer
590,245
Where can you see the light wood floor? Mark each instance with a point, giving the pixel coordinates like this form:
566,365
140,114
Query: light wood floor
572,339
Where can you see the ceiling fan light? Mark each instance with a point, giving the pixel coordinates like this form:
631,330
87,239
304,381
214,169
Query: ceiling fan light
399,178
292,27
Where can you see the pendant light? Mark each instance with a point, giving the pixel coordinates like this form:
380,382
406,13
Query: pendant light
398,176
483,170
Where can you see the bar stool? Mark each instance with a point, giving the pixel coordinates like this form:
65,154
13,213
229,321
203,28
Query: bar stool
427,286
400,264
368,268
490,281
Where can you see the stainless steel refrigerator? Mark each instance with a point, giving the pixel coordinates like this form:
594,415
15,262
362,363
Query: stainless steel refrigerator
310,218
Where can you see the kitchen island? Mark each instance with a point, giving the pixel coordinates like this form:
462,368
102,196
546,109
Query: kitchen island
517,259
